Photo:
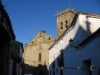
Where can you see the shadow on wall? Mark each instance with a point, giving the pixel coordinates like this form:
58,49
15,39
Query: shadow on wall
33,70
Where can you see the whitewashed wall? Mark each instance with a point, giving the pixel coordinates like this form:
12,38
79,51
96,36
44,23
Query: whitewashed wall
78,34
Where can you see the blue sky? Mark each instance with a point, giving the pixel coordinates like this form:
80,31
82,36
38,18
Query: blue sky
28,17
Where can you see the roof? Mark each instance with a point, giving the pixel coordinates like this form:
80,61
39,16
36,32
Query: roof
66,10
77,12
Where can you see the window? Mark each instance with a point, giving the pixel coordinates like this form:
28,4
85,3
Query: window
66,23
61,27
49,38
39,56
87,64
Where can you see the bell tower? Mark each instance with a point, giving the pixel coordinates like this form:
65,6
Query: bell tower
64,19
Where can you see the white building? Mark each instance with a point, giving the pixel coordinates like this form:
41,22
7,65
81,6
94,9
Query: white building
76,52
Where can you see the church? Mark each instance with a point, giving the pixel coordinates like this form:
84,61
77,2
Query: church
36,53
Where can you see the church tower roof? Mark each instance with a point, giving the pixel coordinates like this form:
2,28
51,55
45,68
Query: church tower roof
70,9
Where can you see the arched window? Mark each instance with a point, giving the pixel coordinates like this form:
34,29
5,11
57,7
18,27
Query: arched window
61,27
39,56
49,38
66,23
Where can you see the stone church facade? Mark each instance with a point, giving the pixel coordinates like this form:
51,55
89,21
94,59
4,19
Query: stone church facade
36,51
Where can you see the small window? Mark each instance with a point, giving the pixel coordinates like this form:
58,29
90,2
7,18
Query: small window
66,23
49,38
87,64
61,25
39,56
